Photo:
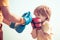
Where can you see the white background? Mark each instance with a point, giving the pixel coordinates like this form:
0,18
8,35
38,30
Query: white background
18,7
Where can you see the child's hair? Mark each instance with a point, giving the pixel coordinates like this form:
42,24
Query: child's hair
44,11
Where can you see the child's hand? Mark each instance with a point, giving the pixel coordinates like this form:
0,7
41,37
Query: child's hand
34,33
45,26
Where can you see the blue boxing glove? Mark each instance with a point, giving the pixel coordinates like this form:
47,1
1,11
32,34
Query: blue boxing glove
27,17
12,25
20,28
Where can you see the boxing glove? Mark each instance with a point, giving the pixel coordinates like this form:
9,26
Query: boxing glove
12,25
19,28
27,17
36,23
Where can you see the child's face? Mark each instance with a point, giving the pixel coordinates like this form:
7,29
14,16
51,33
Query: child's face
40,16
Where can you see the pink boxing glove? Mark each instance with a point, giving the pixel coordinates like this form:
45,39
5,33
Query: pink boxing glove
36,23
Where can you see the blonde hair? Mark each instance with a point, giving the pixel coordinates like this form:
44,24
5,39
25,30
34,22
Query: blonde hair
44,10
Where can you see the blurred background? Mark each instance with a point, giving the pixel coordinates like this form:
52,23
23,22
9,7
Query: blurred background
18,7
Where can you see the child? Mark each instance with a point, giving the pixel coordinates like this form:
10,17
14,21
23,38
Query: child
41,29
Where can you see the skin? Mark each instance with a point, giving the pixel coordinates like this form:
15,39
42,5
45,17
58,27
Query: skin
1,18
7,17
